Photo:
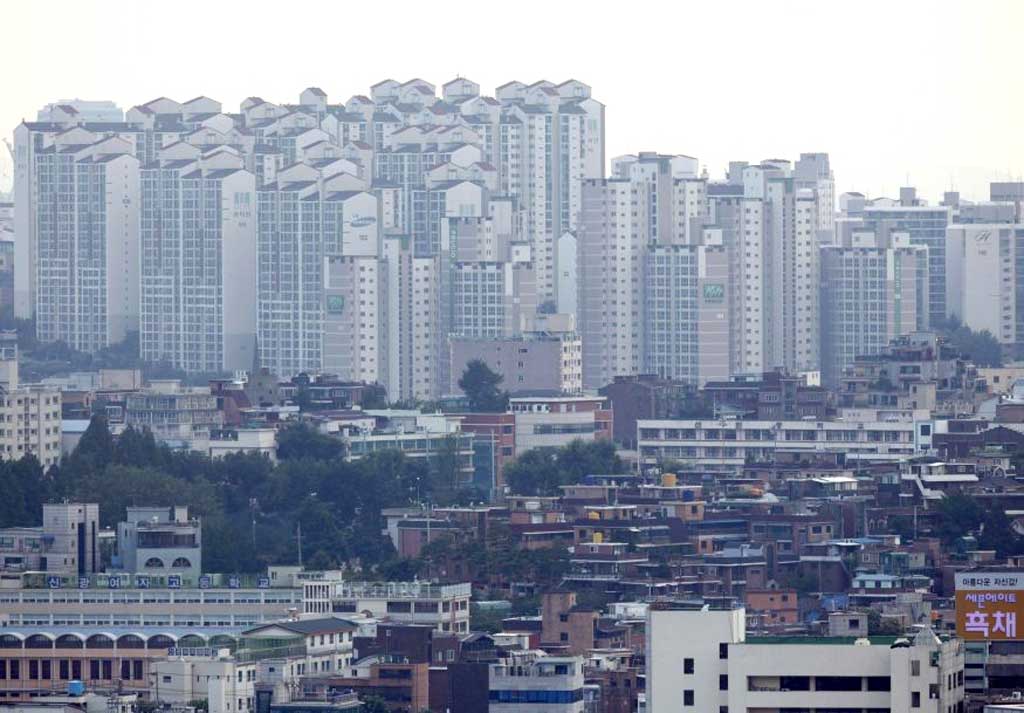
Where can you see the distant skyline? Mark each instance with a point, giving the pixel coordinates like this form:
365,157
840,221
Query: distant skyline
923,93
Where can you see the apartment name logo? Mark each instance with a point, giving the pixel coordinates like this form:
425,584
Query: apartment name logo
335,304
714,292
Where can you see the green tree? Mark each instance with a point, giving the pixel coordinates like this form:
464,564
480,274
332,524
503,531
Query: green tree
542,471
303,441
95,448
877,626
981,347
957,515
374,704
482,388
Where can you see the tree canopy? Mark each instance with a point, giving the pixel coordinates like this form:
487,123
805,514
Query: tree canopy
542,471
981,347
960,515
249,506
482,387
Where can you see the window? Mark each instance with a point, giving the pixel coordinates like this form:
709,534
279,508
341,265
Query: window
688,697
915,699
723,682
837,683
688,666
915,668
723,651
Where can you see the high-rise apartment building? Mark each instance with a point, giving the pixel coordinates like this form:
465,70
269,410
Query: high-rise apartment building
686,312
312,229
793,273
873,290
198,260
305,176
992,303
926,225
742,222
86,240
30,414
612,242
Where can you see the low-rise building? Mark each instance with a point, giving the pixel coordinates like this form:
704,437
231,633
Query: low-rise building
155,540
703,660
174,413
443,606
534,361
39,660
729,444
211,603
66,542
547,420
530,681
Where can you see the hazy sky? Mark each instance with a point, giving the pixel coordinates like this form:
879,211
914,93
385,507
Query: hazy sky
930,90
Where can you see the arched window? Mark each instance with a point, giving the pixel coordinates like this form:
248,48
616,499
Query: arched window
191,641
130,641
181,562
69,641
159,641
9,641
38,641
154,563
99,641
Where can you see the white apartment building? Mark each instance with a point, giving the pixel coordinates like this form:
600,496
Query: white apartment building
793,308
873,290
704,661
926,226
198,275
354,322
547,145
515,161
86,240
612,240
30,414
729,444
413,313
990,303
743,222
688,295
813,171
531,681
309,232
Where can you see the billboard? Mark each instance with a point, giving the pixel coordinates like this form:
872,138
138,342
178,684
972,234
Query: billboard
989,605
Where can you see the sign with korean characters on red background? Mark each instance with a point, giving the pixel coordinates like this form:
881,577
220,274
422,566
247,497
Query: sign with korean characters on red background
989,605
